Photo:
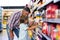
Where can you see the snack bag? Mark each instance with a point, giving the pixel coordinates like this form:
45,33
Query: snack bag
30,33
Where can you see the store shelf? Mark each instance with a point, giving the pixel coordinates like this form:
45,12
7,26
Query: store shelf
52,20
36,2
44,35
44,4
40,27
39,7
35,7
37,33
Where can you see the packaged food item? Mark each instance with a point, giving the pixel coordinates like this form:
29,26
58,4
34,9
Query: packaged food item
30,33
58,27
40,23
55,32
45,28
37,38
58,36
51,11
37,19
58,13
42,2
58,33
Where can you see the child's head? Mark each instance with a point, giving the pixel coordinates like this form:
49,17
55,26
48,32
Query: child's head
24,20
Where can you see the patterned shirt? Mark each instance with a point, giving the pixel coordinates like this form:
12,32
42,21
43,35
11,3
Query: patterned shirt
14,20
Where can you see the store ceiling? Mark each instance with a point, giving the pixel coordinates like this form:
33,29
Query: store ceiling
14,2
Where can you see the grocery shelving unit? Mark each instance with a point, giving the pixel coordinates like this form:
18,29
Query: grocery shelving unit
44,4
44,35
49,21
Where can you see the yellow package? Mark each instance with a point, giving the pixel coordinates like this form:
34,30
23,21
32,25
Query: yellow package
30,33
57,37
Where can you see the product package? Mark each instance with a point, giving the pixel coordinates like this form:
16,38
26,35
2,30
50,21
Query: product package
51,11
45,28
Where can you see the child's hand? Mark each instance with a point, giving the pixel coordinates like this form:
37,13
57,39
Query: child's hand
29,28
32,27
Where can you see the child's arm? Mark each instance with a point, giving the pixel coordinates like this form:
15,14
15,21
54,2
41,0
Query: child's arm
32,27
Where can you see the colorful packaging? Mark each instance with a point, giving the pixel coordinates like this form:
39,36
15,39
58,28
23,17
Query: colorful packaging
45,28
30,33
52,31
58,33
58,36
58,27
50,12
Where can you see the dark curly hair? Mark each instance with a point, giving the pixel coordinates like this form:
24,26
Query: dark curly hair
22,20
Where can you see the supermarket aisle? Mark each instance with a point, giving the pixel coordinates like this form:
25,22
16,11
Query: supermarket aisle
4,36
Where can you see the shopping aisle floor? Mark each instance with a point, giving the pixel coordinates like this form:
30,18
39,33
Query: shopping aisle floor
4,36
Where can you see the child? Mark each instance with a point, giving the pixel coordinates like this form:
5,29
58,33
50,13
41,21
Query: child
23,34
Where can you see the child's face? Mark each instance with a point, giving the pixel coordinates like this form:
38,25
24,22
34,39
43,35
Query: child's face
26,21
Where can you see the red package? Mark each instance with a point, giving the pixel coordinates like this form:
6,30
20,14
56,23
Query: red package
50,11
45,28
53,33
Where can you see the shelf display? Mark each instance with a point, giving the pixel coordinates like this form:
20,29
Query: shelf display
47,16
58,33
52,32
38,16
58,27
5,17
51,11
6,14
44,4
40,24
45,28
58,13
55,32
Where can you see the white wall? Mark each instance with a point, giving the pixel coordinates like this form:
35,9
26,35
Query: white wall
14,2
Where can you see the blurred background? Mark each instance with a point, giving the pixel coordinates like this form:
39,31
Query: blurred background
45,12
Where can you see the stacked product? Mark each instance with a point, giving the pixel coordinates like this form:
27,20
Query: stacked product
51,11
